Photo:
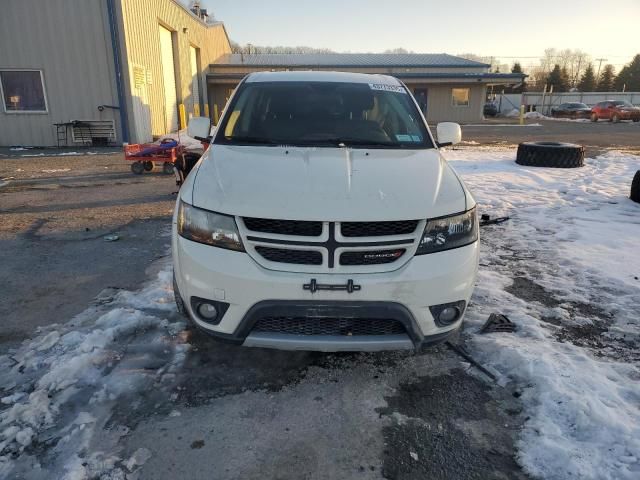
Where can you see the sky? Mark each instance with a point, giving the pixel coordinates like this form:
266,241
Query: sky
511,30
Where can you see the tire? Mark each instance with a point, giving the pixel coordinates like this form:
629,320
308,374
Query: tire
635,188
594,117
182,309
148,166
550,155
615,118
636,120
167,168
137,168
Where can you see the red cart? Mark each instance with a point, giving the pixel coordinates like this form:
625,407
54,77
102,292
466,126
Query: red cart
145,155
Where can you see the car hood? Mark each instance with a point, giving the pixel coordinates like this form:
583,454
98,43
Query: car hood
337,184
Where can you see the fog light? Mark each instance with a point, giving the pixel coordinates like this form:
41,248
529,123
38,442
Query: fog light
207,311
447,313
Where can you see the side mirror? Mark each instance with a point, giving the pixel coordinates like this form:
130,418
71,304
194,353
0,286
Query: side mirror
448,133
199,127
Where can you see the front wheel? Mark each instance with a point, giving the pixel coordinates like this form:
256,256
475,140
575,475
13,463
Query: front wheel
148,166
594,117
636,120
615,118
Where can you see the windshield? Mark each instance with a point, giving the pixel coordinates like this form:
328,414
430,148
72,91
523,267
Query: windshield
577,105
323,114
620,103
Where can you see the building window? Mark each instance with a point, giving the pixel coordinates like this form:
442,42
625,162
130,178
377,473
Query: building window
460,97
23,91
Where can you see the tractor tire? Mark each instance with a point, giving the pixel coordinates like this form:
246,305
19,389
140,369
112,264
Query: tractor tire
635,188
137,168
550,155
148,166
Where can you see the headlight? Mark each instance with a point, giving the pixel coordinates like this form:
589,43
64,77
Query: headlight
207,227
449,232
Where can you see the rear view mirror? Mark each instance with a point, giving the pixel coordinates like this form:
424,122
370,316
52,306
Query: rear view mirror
199,127
448,133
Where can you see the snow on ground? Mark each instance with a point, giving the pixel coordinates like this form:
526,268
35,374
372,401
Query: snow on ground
566,270
60,388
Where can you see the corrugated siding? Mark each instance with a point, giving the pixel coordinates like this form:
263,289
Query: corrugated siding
142,40
69,41
352,60
440,108
357,69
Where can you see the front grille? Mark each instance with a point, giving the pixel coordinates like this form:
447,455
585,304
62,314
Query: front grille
284,227
377,257
329,326
378,229
298,257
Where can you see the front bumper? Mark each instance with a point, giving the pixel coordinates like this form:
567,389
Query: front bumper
250,290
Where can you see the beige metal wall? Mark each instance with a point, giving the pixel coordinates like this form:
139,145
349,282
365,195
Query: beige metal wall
69,40
440,107
141,22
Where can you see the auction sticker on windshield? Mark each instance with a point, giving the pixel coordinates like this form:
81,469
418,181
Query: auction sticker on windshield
387,88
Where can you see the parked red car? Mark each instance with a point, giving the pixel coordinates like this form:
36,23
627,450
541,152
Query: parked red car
614,111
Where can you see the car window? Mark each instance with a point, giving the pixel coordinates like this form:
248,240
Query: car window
323,114
620,103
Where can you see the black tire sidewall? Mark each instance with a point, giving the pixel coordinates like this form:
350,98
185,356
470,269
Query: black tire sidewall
137,168
550,155
635,188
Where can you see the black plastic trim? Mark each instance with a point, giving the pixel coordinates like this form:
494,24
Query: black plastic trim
222,308
437,309
385,310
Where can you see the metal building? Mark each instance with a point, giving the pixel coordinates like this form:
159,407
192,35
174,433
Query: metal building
102,71
448,88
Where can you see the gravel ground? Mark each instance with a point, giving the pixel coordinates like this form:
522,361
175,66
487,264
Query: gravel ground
54,213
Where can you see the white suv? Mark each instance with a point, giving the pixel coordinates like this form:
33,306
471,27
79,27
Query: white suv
323,217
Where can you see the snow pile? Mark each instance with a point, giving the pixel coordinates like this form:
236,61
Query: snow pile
59,389
534,115
515,113
571,244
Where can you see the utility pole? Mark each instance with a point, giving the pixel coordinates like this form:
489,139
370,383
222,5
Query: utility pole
600,65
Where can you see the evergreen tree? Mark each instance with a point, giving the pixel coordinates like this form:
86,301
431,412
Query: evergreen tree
629,76
607,78
588,81
565,81
558,78
517,68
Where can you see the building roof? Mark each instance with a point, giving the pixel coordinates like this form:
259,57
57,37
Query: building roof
315,76
371,60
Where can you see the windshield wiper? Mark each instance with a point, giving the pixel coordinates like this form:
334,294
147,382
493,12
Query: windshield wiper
253,140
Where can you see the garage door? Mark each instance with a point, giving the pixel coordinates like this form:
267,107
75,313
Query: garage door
169,80
195,81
